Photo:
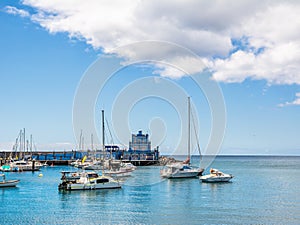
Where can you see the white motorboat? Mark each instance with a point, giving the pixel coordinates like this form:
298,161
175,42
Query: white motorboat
22,165
216,176
117,169
87,181
8,183
74,162
81,165
128,166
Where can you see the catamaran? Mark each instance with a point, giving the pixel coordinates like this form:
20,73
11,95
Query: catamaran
86,181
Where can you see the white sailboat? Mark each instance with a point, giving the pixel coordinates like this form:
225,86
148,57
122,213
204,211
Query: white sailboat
182,169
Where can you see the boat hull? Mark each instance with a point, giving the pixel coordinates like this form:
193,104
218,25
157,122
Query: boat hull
215,179
181,174
20,166
9,183
74,187
86,181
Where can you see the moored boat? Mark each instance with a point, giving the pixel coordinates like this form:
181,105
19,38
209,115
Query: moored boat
8,183
128,166
87,181
183,169
216,176
180,170
118,169
21,165
94,165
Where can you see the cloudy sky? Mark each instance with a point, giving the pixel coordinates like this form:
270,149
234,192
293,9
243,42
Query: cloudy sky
250,48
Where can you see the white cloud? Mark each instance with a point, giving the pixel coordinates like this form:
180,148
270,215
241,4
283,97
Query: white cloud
295,102
266,32
14,11
277,65
176,69
273,48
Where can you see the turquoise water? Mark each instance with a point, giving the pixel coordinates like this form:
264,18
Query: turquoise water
265,190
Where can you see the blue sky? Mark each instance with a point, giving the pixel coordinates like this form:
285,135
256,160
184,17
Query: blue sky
46,48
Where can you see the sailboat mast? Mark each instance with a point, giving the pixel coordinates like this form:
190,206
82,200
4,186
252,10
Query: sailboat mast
82,143
103,137
31,143
103,141
189,128
21,144
24,141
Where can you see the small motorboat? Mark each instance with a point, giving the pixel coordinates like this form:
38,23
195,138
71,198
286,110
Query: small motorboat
8,183
216,176
21,165
128,166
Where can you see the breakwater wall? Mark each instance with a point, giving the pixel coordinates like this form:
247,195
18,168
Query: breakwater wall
64,157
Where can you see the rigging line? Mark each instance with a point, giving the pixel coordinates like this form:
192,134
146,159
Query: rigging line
112,140
198,145
34,145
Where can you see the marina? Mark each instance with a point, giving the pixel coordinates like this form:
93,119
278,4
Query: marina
150,112
146,198
139,154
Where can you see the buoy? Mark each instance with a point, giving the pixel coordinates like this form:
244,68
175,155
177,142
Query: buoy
40,175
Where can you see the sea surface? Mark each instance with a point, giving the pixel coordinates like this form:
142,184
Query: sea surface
264,190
